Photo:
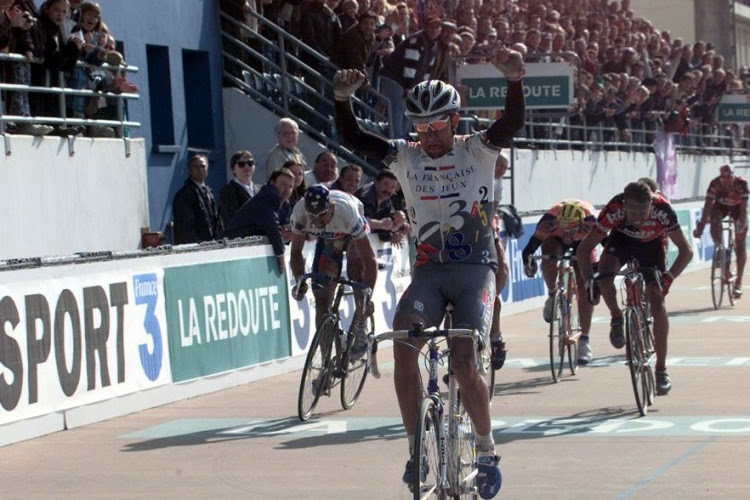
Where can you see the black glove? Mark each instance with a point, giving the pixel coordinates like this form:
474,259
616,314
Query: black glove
592,291
299,291
531,267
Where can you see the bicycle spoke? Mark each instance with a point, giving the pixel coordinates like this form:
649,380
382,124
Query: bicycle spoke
317,371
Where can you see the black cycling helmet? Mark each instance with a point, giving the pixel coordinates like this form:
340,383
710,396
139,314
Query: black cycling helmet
317,200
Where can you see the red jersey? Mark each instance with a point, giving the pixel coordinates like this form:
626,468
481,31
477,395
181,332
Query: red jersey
730,194
661,220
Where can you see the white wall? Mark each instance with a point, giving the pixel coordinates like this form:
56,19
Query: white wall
542,178
59,197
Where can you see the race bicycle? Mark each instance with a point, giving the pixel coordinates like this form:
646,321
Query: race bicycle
639,348
444,444
724,265
565,325
329,361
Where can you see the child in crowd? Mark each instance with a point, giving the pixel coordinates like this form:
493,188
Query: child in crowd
88,30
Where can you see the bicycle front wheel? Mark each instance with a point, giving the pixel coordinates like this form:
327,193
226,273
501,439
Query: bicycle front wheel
462,471
355,372
717,276
636,359
428,480
556,338
317,370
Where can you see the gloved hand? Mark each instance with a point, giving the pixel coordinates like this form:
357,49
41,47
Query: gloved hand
346,82
698,231
592,291
299,291
509,62
531,267
666,282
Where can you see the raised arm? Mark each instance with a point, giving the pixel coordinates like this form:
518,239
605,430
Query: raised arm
511,64
345,83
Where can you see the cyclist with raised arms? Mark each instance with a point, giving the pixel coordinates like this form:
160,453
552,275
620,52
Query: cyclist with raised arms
447,180
559,230
636,221
727,195
337,219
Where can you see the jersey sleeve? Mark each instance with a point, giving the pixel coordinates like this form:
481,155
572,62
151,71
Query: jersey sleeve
299,218
611,216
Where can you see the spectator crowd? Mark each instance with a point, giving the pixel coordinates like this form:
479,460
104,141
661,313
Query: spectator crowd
264,207
52,38
632,79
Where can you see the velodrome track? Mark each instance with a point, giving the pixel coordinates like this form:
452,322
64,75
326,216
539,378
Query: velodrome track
580,438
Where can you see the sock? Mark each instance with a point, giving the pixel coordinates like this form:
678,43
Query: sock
410,437
485,443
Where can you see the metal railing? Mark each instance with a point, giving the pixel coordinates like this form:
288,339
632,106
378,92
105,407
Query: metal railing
271,69
120,123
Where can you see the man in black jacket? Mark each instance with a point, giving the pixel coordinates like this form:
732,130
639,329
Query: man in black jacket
196,216
260,215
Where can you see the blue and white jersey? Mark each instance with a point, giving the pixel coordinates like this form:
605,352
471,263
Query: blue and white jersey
449,199
348,219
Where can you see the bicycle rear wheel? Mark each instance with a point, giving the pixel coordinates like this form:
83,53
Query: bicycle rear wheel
717,276
462,469
556,338
731,271
427,476
635,354
574,327
317,370
353,380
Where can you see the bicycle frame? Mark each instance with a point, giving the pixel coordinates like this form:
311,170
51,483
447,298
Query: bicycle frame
640,344
564,332
448,411
328,358
722,274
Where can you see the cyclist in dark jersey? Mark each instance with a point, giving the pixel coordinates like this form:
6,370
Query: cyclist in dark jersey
447,180
727,194
636,221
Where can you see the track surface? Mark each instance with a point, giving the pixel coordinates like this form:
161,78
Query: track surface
579,438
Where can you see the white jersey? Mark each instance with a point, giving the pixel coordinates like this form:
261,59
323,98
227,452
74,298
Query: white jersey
449,199
348,219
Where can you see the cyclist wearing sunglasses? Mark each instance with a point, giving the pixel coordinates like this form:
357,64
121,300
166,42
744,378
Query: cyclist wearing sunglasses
727,194
447,180
337,220
559,230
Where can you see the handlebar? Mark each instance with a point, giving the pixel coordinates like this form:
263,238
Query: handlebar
341,281
430,333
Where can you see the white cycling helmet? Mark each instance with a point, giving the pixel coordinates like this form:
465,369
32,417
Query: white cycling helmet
431,98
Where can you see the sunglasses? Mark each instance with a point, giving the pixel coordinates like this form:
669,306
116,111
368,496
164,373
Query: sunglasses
437,126
246,163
